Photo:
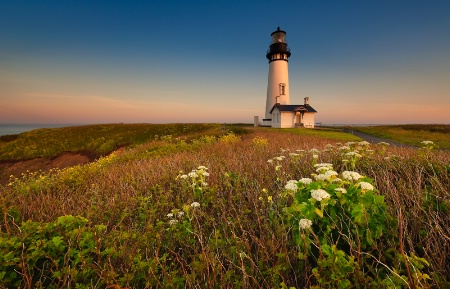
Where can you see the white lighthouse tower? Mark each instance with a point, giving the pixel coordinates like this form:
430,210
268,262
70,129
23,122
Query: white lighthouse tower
278,81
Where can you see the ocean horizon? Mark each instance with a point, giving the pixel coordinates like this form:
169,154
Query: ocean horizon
13,128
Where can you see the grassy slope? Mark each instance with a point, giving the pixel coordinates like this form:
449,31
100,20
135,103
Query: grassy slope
97,139
411,134
132,193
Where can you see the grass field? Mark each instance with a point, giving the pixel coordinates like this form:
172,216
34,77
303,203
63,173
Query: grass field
208,208
411,134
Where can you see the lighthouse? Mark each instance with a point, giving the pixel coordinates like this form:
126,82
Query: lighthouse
278,81
280,113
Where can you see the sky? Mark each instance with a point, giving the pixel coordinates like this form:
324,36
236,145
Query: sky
86,62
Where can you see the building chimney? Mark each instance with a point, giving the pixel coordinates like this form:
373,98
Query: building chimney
306,100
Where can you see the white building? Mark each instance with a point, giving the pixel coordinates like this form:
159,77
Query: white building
280,113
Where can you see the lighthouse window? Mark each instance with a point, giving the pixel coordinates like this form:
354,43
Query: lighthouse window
282,88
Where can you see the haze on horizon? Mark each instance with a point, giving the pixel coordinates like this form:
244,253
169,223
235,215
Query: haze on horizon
359,62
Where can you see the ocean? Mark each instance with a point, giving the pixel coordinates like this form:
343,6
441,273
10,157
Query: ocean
8,129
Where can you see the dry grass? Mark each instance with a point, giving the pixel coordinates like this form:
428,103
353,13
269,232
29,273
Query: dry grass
238,238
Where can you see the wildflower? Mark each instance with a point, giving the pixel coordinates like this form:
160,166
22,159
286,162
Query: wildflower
342,190
270,161
291,186
293,154
383,143
315,156
322,167
304,224
353,154
180,214
173,222
336,180
314,151
269,199
170,215
344,148
206,174
364,143
202,168
305,181
277,168
427,142
183,177
279,158
193,174
365,186
319,194
351,176
320,177
300,151
195,205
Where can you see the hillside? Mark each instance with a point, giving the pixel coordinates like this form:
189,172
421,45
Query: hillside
253,208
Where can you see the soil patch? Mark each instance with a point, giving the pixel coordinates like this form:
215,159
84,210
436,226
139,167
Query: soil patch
64,160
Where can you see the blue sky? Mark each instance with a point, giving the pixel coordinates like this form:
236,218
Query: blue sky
204,61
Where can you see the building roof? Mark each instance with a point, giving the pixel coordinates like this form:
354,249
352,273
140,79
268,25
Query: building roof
293,108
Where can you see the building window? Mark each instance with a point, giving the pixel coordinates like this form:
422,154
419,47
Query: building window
282,88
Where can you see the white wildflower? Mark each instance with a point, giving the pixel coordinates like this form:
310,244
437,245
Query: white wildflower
314,151
383,143
427,142
344,148
342,190
319,194
304,224
206,174
170,215
364,143
305,181
180,214
183,177
300,151
365,186
173,222
279,158
202,168
315,156
193,174
291,186
353,154
322,167
351,176
195,205
350,143
270,161
336,180
320,177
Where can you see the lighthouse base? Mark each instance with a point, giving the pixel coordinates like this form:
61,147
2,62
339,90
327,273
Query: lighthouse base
267,122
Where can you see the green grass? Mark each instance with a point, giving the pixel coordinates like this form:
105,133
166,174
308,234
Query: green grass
331,134
411,134
96,139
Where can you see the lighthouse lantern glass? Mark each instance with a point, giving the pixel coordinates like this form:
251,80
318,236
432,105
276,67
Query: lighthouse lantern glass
279,37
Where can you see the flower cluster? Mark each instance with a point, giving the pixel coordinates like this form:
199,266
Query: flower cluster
319,194
304,224
351,176
197,176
